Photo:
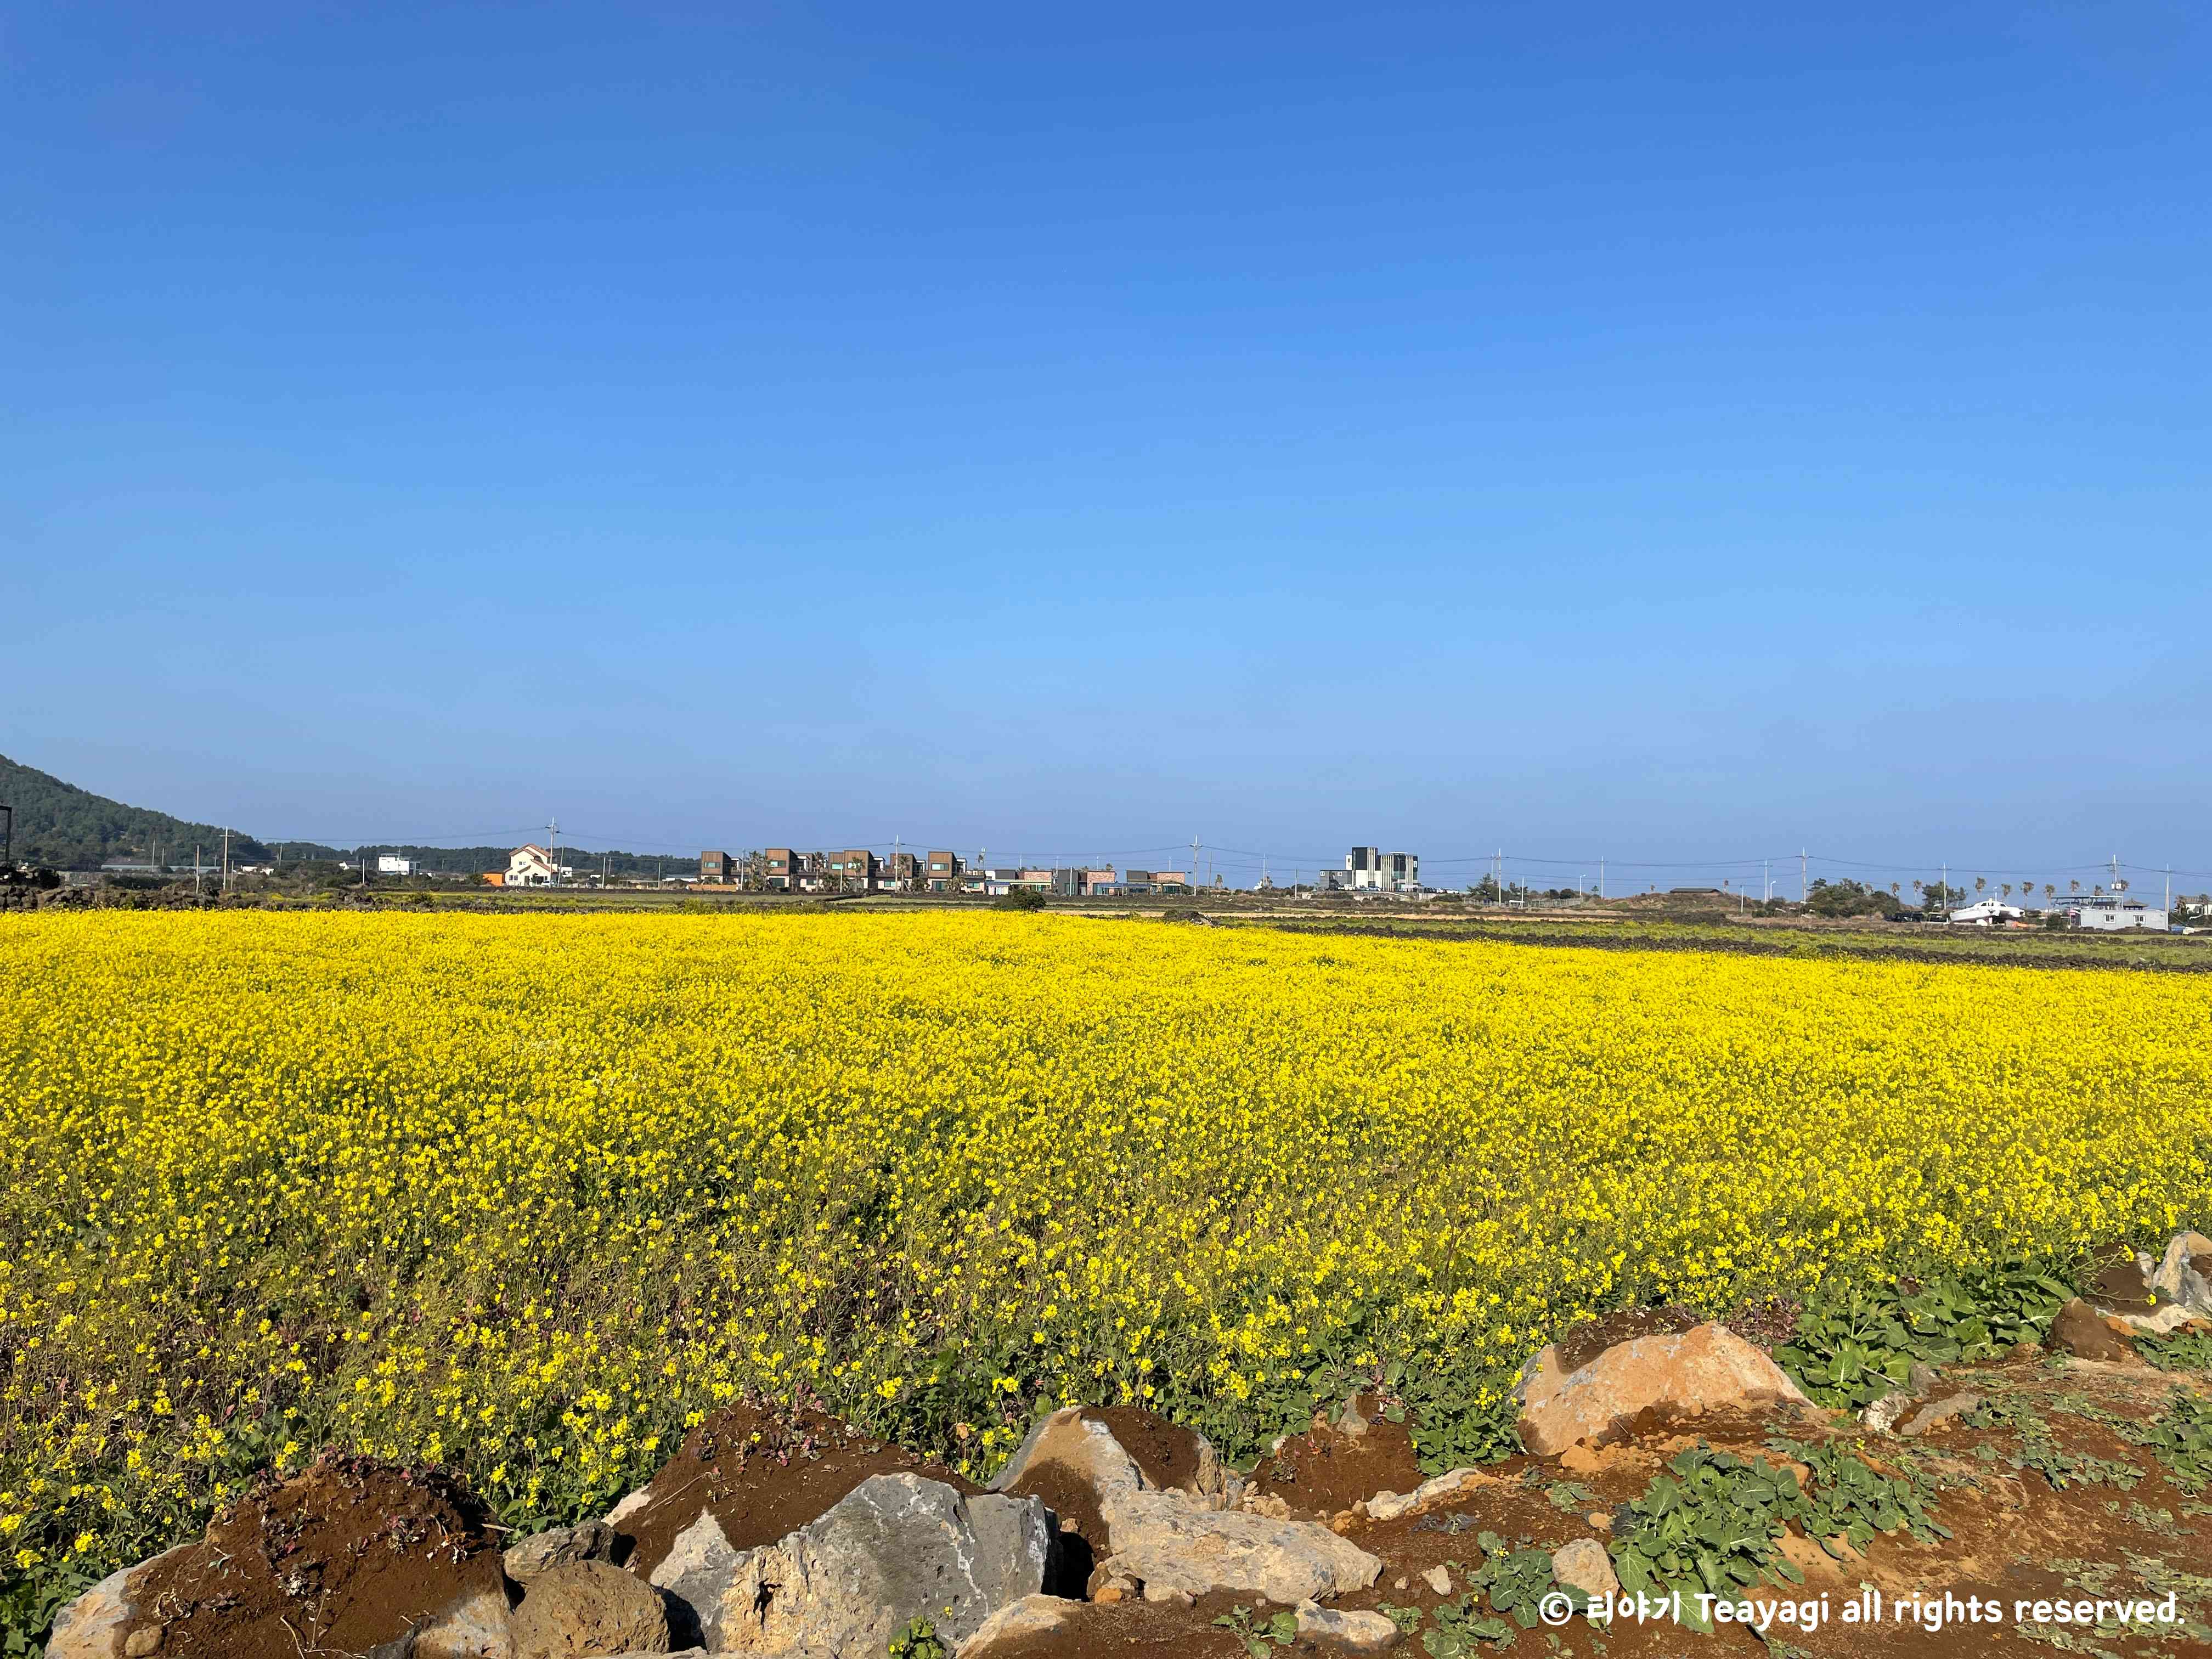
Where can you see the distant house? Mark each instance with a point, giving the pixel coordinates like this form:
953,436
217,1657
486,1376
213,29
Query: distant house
781,869
717,867
854,869
1140,882
388,864
945,870
1988,913
530,866
1002,879
2110,912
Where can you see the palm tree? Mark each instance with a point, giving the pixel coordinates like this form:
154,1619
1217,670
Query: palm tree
2049,893
2005,888
1981,883
2073,886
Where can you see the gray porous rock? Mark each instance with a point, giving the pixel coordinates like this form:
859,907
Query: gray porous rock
894,1546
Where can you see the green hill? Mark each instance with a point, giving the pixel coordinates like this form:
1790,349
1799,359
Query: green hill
59,824
72,828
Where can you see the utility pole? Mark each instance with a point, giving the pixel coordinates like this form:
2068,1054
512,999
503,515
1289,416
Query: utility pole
1193,860
7,857
363,854
1945,900
226,857
1804,885
196,869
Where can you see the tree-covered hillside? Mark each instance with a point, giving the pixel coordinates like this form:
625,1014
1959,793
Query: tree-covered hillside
72,828
59,824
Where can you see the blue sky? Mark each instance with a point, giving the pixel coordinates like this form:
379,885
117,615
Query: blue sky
1677,434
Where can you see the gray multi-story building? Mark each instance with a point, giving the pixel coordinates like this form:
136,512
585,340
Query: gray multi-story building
1372,870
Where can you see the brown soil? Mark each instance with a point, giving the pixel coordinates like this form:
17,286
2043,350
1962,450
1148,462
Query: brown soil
344,1556
2015,1537
1580,1343
353,1553
1766,1325
2113,1280
763,1475
1166,1456
1323,1472
1069,1497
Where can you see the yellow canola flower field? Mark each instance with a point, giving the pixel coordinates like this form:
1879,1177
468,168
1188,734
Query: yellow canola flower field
529,1194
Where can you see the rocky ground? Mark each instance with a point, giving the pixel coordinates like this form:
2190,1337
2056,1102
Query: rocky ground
2025,1490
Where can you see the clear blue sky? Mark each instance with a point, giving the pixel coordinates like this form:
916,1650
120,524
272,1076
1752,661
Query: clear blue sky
1675,433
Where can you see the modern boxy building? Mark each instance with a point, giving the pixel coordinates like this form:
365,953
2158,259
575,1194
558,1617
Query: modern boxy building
1140,882
717,867
854,869
1372,870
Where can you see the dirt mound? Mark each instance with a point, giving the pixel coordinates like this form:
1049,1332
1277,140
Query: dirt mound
2113,1280
1580,1343
1166,1455
1071,1499
762,1473
1324,1471
346,1555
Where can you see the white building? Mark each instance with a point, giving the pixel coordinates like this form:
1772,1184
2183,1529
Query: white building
529,867
388,865
999,882
1987,913
2110,912
1372,870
